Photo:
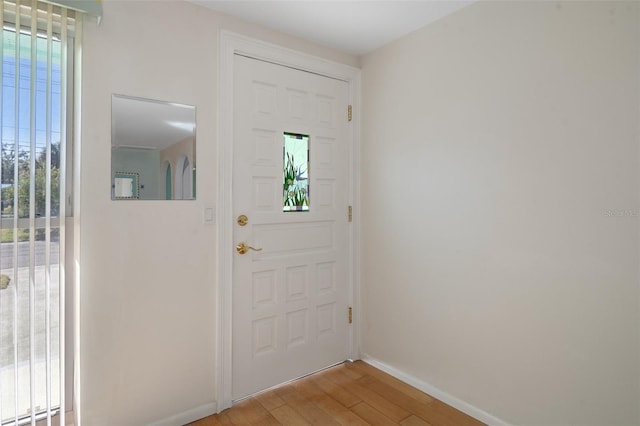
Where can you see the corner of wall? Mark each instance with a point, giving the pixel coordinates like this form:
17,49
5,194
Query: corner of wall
435,392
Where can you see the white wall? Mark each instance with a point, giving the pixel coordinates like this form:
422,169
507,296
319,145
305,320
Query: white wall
148,267
500,209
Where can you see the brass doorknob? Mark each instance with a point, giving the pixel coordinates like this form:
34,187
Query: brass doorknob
243,247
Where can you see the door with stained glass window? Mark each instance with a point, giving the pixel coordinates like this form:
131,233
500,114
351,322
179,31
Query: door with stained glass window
290,180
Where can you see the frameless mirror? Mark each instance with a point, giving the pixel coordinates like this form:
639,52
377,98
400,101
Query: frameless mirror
153,150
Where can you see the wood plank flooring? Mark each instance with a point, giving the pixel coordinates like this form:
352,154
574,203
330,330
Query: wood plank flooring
347,394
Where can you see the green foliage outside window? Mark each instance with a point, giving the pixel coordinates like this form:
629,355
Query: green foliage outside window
8,167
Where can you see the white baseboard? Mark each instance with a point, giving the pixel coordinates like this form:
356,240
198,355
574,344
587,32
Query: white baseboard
188,416
425,387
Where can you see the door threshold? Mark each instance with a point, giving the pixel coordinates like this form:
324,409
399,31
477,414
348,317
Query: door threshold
235,401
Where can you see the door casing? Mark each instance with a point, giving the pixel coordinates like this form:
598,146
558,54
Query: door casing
230,45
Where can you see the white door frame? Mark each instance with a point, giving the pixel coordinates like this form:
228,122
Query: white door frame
231,44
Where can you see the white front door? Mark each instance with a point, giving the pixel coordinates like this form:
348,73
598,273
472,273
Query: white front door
290,298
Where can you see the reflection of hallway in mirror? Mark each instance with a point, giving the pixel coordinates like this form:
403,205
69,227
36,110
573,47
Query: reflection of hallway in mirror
186,180
180,158
167,181
157,141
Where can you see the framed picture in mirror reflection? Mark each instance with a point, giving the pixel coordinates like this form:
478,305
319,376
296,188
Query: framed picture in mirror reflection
126,186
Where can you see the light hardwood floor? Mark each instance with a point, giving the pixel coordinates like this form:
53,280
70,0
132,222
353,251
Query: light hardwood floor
347,394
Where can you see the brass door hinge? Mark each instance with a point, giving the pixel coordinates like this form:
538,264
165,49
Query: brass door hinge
349,113
350,315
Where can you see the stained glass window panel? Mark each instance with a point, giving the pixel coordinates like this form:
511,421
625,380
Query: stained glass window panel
296,173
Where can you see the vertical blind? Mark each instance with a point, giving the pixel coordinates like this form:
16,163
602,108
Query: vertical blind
36,49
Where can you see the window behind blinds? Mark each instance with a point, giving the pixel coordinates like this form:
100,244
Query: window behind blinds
36,49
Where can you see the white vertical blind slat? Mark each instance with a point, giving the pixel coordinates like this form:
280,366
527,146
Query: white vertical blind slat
47,252
62,203
16,168
2,314
32,214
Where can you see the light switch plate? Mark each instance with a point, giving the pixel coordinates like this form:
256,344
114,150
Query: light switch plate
209,215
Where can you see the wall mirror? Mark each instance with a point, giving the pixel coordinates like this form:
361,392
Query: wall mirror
153,150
